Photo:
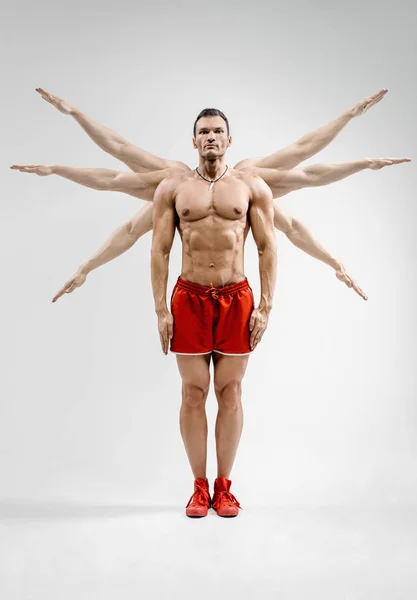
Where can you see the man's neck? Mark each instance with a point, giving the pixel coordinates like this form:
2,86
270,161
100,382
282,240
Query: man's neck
212,169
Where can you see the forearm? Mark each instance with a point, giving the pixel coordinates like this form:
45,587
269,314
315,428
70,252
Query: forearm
159,276
107,139
323,174
307,146
120,241
97,179
301,237
267,273
315,141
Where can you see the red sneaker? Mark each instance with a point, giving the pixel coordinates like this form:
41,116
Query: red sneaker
200,501
224,503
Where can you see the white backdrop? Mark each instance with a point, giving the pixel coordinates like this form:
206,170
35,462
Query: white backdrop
89,404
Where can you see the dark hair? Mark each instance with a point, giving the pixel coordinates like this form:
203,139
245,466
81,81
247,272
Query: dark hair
211,112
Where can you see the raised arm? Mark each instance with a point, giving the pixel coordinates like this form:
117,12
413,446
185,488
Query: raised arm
313,142
111,142
261,217
302,237
162,238
283,182
139,185
119,242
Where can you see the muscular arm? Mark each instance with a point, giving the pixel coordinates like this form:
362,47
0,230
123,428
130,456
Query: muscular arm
118,242
283,182
302,237
311,143
111,142
162,239
261,217
139,185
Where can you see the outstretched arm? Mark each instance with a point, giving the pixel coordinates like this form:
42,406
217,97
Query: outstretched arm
302,237
111,142
283,182
119,242
313,142
139,185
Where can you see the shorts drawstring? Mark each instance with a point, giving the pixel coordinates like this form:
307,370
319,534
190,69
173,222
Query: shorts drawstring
213,291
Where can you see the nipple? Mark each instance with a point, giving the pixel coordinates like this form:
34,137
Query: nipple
185,212
238,210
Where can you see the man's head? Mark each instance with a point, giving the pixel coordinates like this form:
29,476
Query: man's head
211,133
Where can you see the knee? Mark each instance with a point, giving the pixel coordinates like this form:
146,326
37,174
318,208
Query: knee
194,395
229,394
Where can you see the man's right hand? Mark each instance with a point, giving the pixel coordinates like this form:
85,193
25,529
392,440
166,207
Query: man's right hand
41,170
70,285
165,328
56,101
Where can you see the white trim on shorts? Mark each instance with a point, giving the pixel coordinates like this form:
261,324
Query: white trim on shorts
227,353
190,353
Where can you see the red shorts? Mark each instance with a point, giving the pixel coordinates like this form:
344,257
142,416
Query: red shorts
208,319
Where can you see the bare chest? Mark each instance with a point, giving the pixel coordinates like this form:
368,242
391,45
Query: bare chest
195,201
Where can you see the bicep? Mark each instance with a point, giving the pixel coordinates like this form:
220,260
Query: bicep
163,222
140,185
282,182
261,216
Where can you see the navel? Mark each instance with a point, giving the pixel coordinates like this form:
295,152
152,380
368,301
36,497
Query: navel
185,212
238,210
211,265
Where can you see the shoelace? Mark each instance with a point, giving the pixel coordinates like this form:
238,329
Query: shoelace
200,496
226,498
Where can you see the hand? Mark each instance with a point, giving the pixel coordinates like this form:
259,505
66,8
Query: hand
165,328
361,107
70,285
257,325
379,163
351,283
41,170
56,101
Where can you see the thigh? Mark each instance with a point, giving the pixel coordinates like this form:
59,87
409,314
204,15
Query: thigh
195,370
228,369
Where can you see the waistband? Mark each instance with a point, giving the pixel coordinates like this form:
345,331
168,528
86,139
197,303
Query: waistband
204,289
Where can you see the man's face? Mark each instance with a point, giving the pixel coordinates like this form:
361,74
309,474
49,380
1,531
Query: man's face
211,139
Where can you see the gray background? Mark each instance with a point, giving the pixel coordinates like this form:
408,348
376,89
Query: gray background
89,404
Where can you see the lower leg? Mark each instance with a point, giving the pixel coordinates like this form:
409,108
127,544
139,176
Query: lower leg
229,425
193,427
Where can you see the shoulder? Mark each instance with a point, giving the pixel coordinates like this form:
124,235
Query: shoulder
259,191
171,179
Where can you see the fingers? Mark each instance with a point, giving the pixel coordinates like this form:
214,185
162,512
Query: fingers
46,95
375,98
170,330
61,291
256,335
397,161
252,320
164,340
359,291
25,168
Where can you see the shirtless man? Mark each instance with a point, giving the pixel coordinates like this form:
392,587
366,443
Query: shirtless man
151,170
212,316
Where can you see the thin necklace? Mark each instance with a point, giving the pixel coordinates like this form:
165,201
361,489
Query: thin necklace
211,181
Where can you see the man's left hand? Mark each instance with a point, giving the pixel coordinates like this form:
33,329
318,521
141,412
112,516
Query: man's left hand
257,325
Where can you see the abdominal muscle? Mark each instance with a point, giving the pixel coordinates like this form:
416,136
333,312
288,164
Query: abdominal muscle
212,251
